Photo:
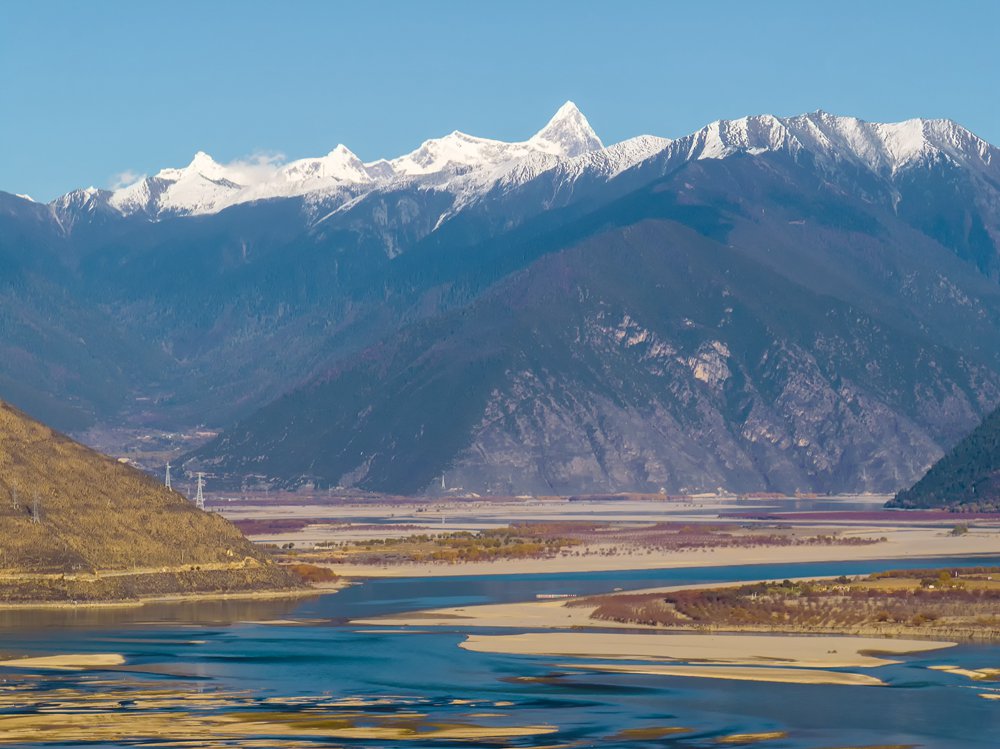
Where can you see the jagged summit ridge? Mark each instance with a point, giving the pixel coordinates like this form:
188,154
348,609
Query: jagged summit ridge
468,166
206,186
884,148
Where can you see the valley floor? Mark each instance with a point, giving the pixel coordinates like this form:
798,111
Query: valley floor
900,543
609,534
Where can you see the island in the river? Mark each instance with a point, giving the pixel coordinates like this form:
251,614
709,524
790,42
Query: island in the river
960,603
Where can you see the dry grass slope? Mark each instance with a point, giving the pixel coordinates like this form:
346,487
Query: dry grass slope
68,514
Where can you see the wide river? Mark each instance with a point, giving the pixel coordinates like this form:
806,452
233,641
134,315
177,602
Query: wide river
246,659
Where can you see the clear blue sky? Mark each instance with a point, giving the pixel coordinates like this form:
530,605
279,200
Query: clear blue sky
89,90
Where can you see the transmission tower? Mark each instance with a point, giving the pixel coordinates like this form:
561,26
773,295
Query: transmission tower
199,498
167,481
36,511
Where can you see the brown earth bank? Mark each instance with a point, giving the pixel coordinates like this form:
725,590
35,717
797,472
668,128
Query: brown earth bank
140,586
77,525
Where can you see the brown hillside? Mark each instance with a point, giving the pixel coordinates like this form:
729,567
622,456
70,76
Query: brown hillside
75,524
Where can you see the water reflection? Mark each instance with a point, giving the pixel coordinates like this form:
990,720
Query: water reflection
220,612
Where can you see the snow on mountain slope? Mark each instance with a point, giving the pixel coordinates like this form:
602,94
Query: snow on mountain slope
340,171
884,148
203,186
566,135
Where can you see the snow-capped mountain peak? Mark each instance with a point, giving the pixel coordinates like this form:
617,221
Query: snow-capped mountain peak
340,165
568,133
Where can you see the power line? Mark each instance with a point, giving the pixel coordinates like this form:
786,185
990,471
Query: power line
199,498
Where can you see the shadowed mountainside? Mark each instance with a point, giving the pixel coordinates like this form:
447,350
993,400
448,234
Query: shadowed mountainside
795,338
967,478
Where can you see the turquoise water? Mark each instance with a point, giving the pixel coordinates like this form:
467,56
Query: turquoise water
308,667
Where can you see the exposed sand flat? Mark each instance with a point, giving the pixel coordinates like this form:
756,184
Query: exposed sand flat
779,675
976,674
739,650
900,543
547,614
77,662
747,738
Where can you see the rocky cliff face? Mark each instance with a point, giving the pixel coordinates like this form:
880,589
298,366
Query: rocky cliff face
647,357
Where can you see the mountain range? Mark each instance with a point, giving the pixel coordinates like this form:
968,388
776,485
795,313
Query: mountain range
769,304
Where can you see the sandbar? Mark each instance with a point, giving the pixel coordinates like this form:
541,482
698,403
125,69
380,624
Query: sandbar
75,662
736,650
779,675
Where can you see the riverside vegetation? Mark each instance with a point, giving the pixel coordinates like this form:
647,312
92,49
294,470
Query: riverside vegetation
545,540
961,603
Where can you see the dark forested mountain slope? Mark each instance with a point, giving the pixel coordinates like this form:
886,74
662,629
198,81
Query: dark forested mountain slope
967,478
